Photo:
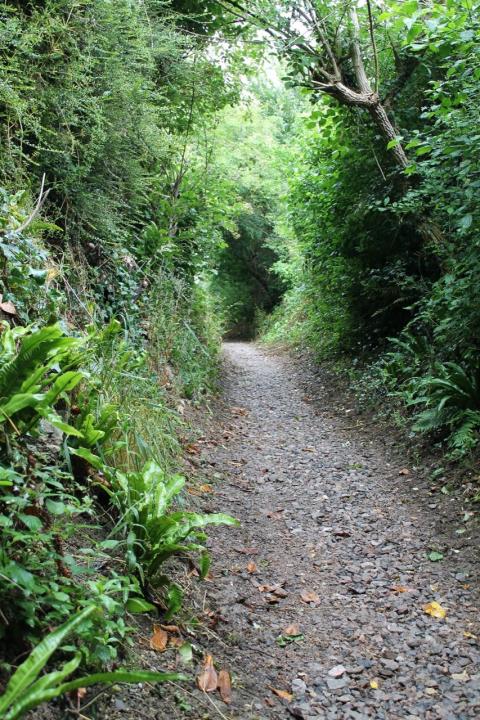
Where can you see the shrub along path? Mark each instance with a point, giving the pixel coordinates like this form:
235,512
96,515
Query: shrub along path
327,592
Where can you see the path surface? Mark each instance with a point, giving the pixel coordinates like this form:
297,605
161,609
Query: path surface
332,521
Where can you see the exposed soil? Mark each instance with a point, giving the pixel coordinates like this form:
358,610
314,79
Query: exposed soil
336,534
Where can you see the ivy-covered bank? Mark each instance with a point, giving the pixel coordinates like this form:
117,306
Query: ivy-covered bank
108,226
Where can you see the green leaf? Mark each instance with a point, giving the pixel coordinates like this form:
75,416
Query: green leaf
205,562
423,150
139,605
465,222
435,556
174,600
31,522
119,676
55,507
29,670
51,416
87,455
185,652
393,143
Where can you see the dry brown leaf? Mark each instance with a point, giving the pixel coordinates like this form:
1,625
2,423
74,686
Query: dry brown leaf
247,550
225,686
404,471
251,567
207,681
399,589
310,596
170,628
272,599
192,449
8,307
206,488
159,639
282,694
238,411
176,641
276,514
292,630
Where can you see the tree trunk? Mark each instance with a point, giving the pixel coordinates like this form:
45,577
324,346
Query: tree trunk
385,126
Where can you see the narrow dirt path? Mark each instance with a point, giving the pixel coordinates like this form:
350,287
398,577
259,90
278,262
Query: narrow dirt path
335,541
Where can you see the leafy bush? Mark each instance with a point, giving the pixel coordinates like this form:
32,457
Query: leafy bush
27,689
154,532
451,398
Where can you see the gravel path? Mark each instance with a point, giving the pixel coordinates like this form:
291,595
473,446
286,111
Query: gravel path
335,539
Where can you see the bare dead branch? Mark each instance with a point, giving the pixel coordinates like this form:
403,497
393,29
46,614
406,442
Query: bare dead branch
38,206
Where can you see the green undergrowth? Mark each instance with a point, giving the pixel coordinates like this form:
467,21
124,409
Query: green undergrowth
90,446
383,270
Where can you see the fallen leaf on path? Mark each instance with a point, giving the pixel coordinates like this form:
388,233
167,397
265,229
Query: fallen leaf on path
469,635
251,567
192,449
461,677
272,599
404,471
435,609
292,630
239,410
276,514
159,639
435,556
374,684
310,596
170,628
282,694
206,488
400,589
207,681
308,449
247,550
225,686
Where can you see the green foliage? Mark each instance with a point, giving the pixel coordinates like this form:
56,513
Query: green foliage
28,274
27,689
385,265
153,532
450,396
26,373
252,142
